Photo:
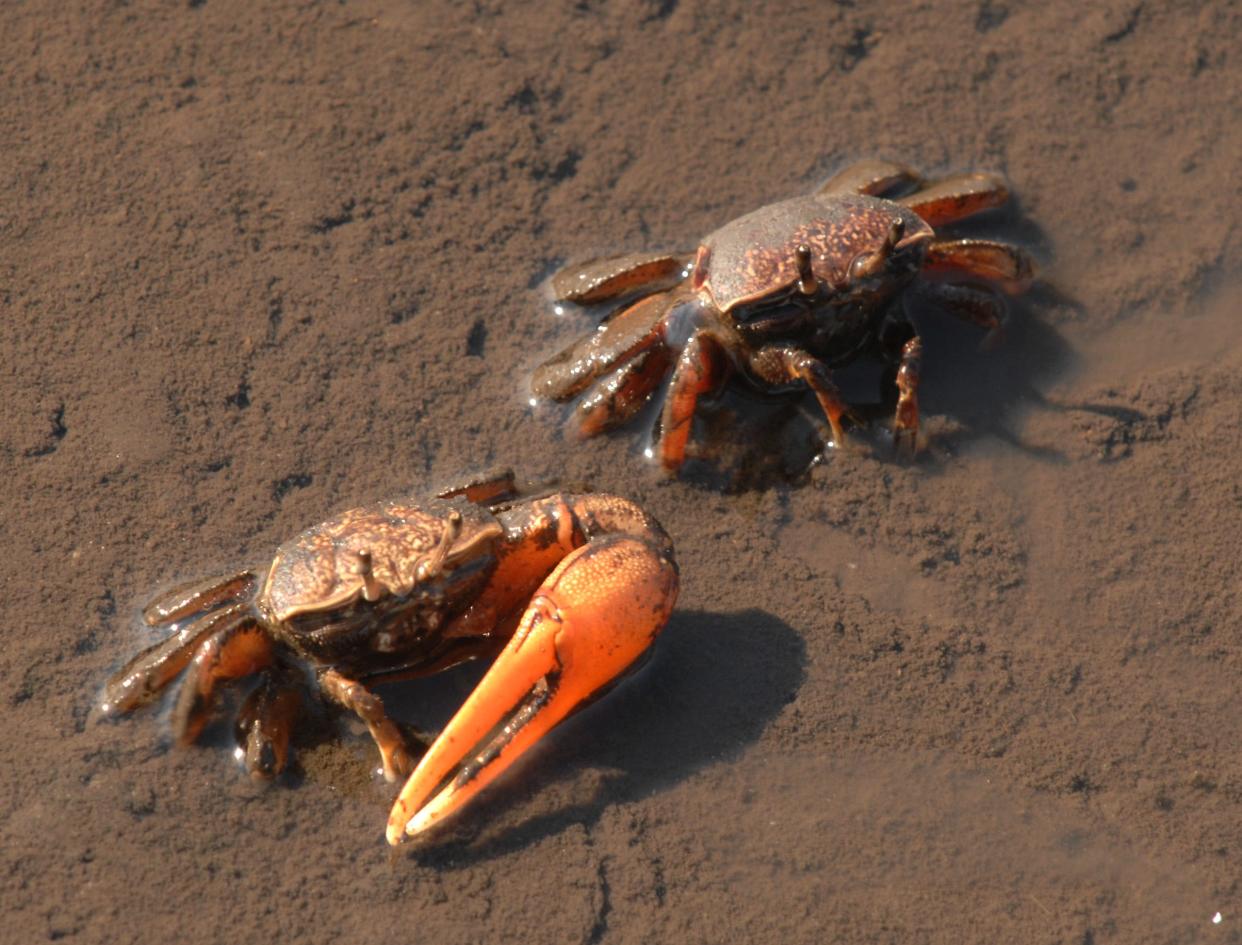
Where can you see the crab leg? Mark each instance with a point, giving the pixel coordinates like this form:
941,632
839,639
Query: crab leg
700,370
620,395
872,177
601,280
486,489
360,700
630,332
591,620
1008,266
956,198
977,304
190,599
144,676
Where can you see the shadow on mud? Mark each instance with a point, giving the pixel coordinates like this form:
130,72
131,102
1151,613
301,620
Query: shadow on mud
985,389
744,440
714,684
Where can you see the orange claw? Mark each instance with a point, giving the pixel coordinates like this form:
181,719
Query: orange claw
593,617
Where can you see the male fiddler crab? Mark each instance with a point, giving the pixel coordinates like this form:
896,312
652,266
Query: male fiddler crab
783,295
566,591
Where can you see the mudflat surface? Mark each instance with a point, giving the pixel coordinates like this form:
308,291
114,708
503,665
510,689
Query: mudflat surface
263,262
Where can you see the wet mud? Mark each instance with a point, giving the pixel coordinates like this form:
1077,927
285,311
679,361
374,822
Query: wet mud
261,263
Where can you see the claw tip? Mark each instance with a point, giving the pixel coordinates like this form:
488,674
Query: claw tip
421,821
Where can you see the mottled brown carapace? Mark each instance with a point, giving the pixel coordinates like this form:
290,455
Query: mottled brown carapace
566,591
781,296
755,256
372,551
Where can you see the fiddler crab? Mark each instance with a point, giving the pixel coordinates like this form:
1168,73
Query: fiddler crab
781,296
567,592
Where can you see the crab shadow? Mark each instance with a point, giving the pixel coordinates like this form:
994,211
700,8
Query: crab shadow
970,393
986,389
713,685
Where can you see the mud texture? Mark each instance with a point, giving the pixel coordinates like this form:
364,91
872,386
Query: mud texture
262,262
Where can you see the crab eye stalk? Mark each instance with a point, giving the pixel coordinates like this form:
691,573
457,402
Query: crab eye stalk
869,264
372,590
430,566
895,233
807,283
864,266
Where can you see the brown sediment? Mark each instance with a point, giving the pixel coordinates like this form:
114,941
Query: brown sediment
261,263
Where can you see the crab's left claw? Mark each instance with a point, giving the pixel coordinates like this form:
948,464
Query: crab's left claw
592,619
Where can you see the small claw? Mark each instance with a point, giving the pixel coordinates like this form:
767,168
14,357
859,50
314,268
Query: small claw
238,650
265,723
397,763
837,439
903,436
596,614
906,421
906,425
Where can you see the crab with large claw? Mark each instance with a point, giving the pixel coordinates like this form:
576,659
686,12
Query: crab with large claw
781,296
568,592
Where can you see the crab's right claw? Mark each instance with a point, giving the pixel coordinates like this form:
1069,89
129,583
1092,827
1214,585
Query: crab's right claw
591,620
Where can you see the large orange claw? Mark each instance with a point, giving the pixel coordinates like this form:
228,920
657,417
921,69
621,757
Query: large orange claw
594,616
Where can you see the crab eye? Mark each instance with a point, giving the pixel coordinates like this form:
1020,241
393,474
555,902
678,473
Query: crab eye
870,264
865,266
